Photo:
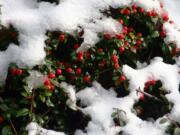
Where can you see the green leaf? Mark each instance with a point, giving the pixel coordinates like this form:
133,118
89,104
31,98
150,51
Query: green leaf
155,34
62,78
6,131
27,89
49,103
4,107
42,98
163,120
115,78
47,93
22,112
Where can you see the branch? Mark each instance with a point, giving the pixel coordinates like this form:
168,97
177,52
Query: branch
13,127
149,95
173,121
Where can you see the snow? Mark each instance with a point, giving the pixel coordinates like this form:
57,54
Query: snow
33,19
172,8
71,93
35,80
35,129
172,34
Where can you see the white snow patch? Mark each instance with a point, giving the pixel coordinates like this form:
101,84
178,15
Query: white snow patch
100,105
172,34
35,129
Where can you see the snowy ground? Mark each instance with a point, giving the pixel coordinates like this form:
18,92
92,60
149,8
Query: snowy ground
32,21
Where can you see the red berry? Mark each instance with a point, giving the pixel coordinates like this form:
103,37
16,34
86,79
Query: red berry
116,65
107,36
102,63
76,46
153,82
47,82
114,58
147,84
161,5
88,55
130,29
86,78
69,70
163,33
121,21
126,43
142,97
134,6
18,72
58,71
80,56
78,71
51,75
100,50
139,34
1,119
154,13
121,11
135,11
120,36
125,30
138,42
141,10
127,12
165,16
50,87
122,78
61,37
121,49
149,13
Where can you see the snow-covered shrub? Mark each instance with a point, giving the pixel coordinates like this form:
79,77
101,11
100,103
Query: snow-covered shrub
106,50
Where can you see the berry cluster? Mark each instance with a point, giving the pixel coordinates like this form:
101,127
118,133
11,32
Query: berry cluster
141,38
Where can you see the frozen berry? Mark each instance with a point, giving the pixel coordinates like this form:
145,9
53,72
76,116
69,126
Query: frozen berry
121,49
58,71
78,71
61,37
69,70
51,75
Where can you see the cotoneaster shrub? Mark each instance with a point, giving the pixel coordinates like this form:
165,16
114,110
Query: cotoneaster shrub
142,38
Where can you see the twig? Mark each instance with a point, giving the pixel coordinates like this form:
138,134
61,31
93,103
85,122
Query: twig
32,100
105,70
173,121
149,95
13,127
46,112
